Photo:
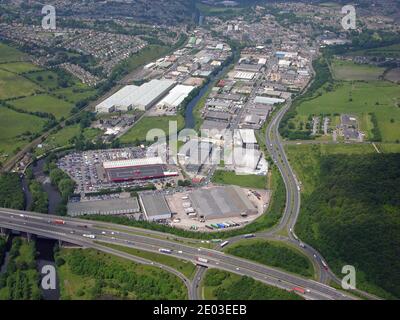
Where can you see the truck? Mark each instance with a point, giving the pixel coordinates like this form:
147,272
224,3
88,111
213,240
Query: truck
324,265
298,289
162,250
247,236
203,260
90,236
59,221
223,244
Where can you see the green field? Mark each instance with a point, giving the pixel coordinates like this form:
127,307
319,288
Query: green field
389,147
89,274
305,159
63,137
19,67
185,267
350,210
74,94
246,181
223,285
137,134
12,85
360,98
392,51
9,54
12,125
46,79
144,56
44,103
34,90
350,71
274,254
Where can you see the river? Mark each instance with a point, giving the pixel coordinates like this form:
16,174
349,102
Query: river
52,192
190,121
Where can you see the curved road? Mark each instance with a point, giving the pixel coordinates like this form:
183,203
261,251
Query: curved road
76,231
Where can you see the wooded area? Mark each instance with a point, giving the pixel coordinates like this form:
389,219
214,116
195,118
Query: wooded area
353,218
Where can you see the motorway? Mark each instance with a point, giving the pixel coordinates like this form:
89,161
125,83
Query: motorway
73,231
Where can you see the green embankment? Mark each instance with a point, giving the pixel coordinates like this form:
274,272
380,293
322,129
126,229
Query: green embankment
273,254
185,267
245,181
11,194
89,274
222,285
21,279
350,211
138,133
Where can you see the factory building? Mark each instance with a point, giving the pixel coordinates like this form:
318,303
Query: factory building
218,116
246,138
221,202
267,100
155,207
118,206
136,169
176,96
195,154
113,102
133,97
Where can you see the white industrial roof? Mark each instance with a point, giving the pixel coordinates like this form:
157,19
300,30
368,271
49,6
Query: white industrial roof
147,93
176,96
244,75
262,61
116,98
132,163
248,136
267,100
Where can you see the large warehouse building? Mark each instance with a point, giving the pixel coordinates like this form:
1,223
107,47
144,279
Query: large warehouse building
136,169
115,102
221,202
155,207
133,97
176,96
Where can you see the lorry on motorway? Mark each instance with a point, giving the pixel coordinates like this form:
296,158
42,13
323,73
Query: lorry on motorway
324,265
162,250
90,236
58,221
203,260
247,236
223,244
298,289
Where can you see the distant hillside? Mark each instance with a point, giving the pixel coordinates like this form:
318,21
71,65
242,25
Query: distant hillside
161,12
353,217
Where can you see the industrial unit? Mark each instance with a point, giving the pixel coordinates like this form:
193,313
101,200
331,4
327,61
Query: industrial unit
221,202
155,207
195,154
117,206
176,96
114,102
136,169
133,97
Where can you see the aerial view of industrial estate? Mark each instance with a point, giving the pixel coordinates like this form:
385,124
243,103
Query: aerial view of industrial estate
200,150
